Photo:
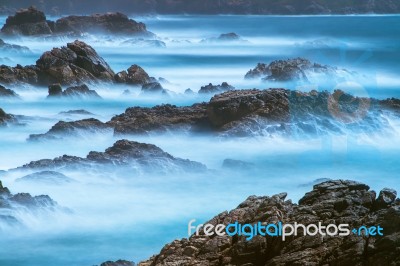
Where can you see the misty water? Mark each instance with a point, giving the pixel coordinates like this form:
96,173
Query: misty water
132,216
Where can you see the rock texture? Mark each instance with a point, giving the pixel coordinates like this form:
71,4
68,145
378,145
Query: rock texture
74,128
6,118
331,202
298,69
31,22
73,64
214,89
7,93
118,263
6,47
46,177
123,155
10,202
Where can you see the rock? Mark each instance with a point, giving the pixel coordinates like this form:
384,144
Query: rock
386,197
76,112
4,192
299,70
142,120
135,75
6,118
81,91
32,22
153,88
213,89
76,63
109,23
124,154
336,201
6,47
237,165
55,90
74,128
118,263
7,93
189,91
46,177
27,22
14,75
145,43
225,37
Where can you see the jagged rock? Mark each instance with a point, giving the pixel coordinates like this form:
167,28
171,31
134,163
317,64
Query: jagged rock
80,92
118,263
13,47
74,128
28,21
141,120
189,91
13,75
32,22
4,191
216,88
76,63
55,90
7,93
332,202
153,87
46,177
76,112
6,118
135,75
123,154
110,23
299,69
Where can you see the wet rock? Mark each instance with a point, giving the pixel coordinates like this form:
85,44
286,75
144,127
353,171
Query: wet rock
118,263
27,22
141,120
46,177
78,92
123,155
7,93
145,43
6,118
55,90
386,197
189,91
225,37
6,47
153,88
213,89
76,112
74,128
76,63
14,75
135,75
336,201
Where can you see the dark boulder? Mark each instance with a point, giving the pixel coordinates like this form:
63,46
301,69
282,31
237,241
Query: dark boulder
332,202
78,92
27,22
55,90
135,75
213,89
14,75
6,118
153,88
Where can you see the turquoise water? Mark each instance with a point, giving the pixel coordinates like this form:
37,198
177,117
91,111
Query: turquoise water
132,216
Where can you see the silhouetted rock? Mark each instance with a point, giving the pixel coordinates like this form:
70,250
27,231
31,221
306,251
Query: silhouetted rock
145,43
7,93
74,128
55,90
213,89
124,154
78,92
6,118
332,202
153,87
76,112
6,47
225,37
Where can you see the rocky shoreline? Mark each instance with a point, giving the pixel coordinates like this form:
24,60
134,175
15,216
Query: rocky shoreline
331,202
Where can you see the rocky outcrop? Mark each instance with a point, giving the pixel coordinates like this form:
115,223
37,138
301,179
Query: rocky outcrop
123,155
7,93
73,64
6,118
214,89
118,263
299,70
332,202
153,88
9,203
32,22
6,47
77,92
74,128
141,120
225,37
134,75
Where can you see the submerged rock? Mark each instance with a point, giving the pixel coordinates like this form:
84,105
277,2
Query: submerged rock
118,263
213,89
76,112
46,177
153,88
134,75
124,154
225,37
6,118
13,47
332,202
7,93
80,92
74,128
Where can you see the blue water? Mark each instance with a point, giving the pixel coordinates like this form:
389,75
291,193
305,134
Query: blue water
132,217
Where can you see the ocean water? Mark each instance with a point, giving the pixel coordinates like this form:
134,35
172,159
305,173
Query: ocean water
131,216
